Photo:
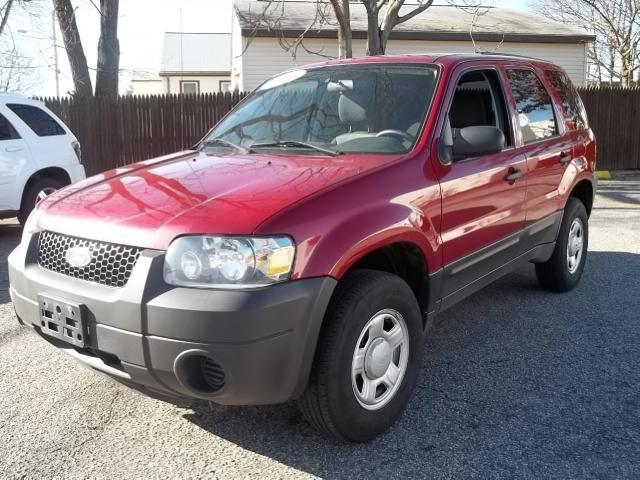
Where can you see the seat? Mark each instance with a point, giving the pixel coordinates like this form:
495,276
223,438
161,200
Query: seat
352,111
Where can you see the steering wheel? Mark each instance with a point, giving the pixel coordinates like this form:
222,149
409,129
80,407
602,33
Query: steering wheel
399,134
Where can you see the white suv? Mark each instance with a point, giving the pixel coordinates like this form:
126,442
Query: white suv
38,155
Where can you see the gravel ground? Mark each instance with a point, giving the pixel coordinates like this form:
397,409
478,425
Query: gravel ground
516,382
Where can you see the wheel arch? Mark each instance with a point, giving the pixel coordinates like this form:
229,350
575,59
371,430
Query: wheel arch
402,258
584,191
57,173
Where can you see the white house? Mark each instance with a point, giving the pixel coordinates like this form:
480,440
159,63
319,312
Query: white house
191,63
260,30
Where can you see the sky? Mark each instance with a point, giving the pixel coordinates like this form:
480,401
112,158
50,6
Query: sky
140,32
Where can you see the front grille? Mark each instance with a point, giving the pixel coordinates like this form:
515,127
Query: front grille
110,264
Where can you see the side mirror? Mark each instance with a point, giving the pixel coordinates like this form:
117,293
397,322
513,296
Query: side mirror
477,140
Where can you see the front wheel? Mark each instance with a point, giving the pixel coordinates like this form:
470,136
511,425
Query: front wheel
563,271
37,191
367,359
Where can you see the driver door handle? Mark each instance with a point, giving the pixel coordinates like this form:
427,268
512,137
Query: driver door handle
513,175
13,149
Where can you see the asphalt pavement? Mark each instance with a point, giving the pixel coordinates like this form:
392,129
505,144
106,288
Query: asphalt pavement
515,383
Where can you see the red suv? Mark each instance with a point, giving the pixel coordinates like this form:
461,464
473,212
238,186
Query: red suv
302,249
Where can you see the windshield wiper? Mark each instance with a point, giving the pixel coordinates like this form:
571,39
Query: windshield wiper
294,144
222,141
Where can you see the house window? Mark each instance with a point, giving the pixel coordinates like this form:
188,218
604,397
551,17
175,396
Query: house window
190,87
225,85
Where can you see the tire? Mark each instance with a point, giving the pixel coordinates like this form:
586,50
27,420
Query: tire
330,402
560,273
30,197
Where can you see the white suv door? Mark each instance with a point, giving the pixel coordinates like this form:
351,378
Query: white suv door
15,158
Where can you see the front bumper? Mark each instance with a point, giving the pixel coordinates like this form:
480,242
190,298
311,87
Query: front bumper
147,333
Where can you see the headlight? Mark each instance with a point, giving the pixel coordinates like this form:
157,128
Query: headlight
228,262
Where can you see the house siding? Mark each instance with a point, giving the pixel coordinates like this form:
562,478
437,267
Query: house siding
264,57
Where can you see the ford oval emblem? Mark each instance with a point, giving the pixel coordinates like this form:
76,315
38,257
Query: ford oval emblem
78,256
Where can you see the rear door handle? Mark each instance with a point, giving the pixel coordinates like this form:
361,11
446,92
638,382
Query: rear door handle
13,149
513,175
565,158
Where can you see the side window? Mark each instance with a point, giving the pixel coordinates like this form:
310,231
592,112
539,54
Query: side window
7,132
572,107
533,103
37,119
477,101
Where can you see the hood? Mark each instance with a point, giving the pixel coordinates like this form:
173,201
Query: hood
150,203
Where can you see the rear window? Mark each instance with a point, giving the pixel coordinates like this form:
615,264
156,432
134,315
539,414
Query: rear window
7,132
572,107
535,109
37,119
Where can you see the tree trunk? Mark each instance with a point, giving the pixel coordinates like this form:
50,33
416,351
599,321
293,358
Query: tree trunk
73,46
626,73
374,35
5,15
108,50
342,11
345,43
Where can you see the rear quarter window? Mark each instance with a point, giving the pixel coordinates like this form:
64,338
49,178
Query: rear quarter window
572,108
535,109
37,120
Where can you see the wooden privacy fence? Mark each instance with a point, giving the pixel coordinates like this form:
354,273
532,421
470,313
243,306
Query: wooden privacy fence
121,130
614,116
117,131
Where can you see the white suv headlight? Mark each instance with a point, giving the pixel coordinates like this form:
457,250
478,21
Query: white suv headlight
228,262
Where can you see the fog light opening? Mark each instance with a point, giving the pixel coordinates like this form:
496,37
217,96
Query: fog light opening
199,373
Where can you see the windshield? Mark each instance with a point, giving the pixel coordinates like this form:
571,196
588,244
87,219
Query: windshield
346,108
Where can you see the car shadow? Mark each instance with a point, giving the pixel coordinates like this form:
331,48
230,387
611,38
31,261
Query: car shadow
9,238
515,382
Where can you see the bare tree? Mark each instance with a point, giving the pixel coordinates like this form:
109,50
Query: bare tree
108,49
615,55
9,7
342,11
73,45
382,17
17,74
5,11
107,70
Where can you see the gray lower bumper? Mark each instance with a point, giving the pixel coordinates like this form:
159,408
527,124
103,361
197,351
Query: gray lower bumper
263,339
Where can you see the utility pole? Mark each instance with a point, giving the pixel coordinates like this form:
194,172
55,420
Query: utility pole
55,52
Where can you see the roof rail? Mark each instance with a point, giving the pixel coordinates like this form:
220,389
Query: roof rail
516,55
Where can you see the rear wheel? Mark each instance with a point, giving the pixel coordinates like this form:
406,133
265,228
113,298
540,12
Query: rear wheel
563,271
38,190
367,359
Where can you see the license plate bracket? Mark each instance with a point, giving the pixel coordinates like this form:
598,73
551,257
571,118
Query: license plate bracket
62,320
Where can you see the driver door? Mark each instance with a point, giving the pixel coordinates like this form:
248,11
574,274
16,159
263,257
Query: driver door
483,197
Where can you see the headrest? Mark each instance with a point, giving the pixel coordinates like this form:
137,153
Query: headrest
351,106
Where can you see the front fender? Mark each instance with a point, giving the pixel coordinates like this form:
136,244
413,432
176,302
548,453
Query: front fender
361,231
